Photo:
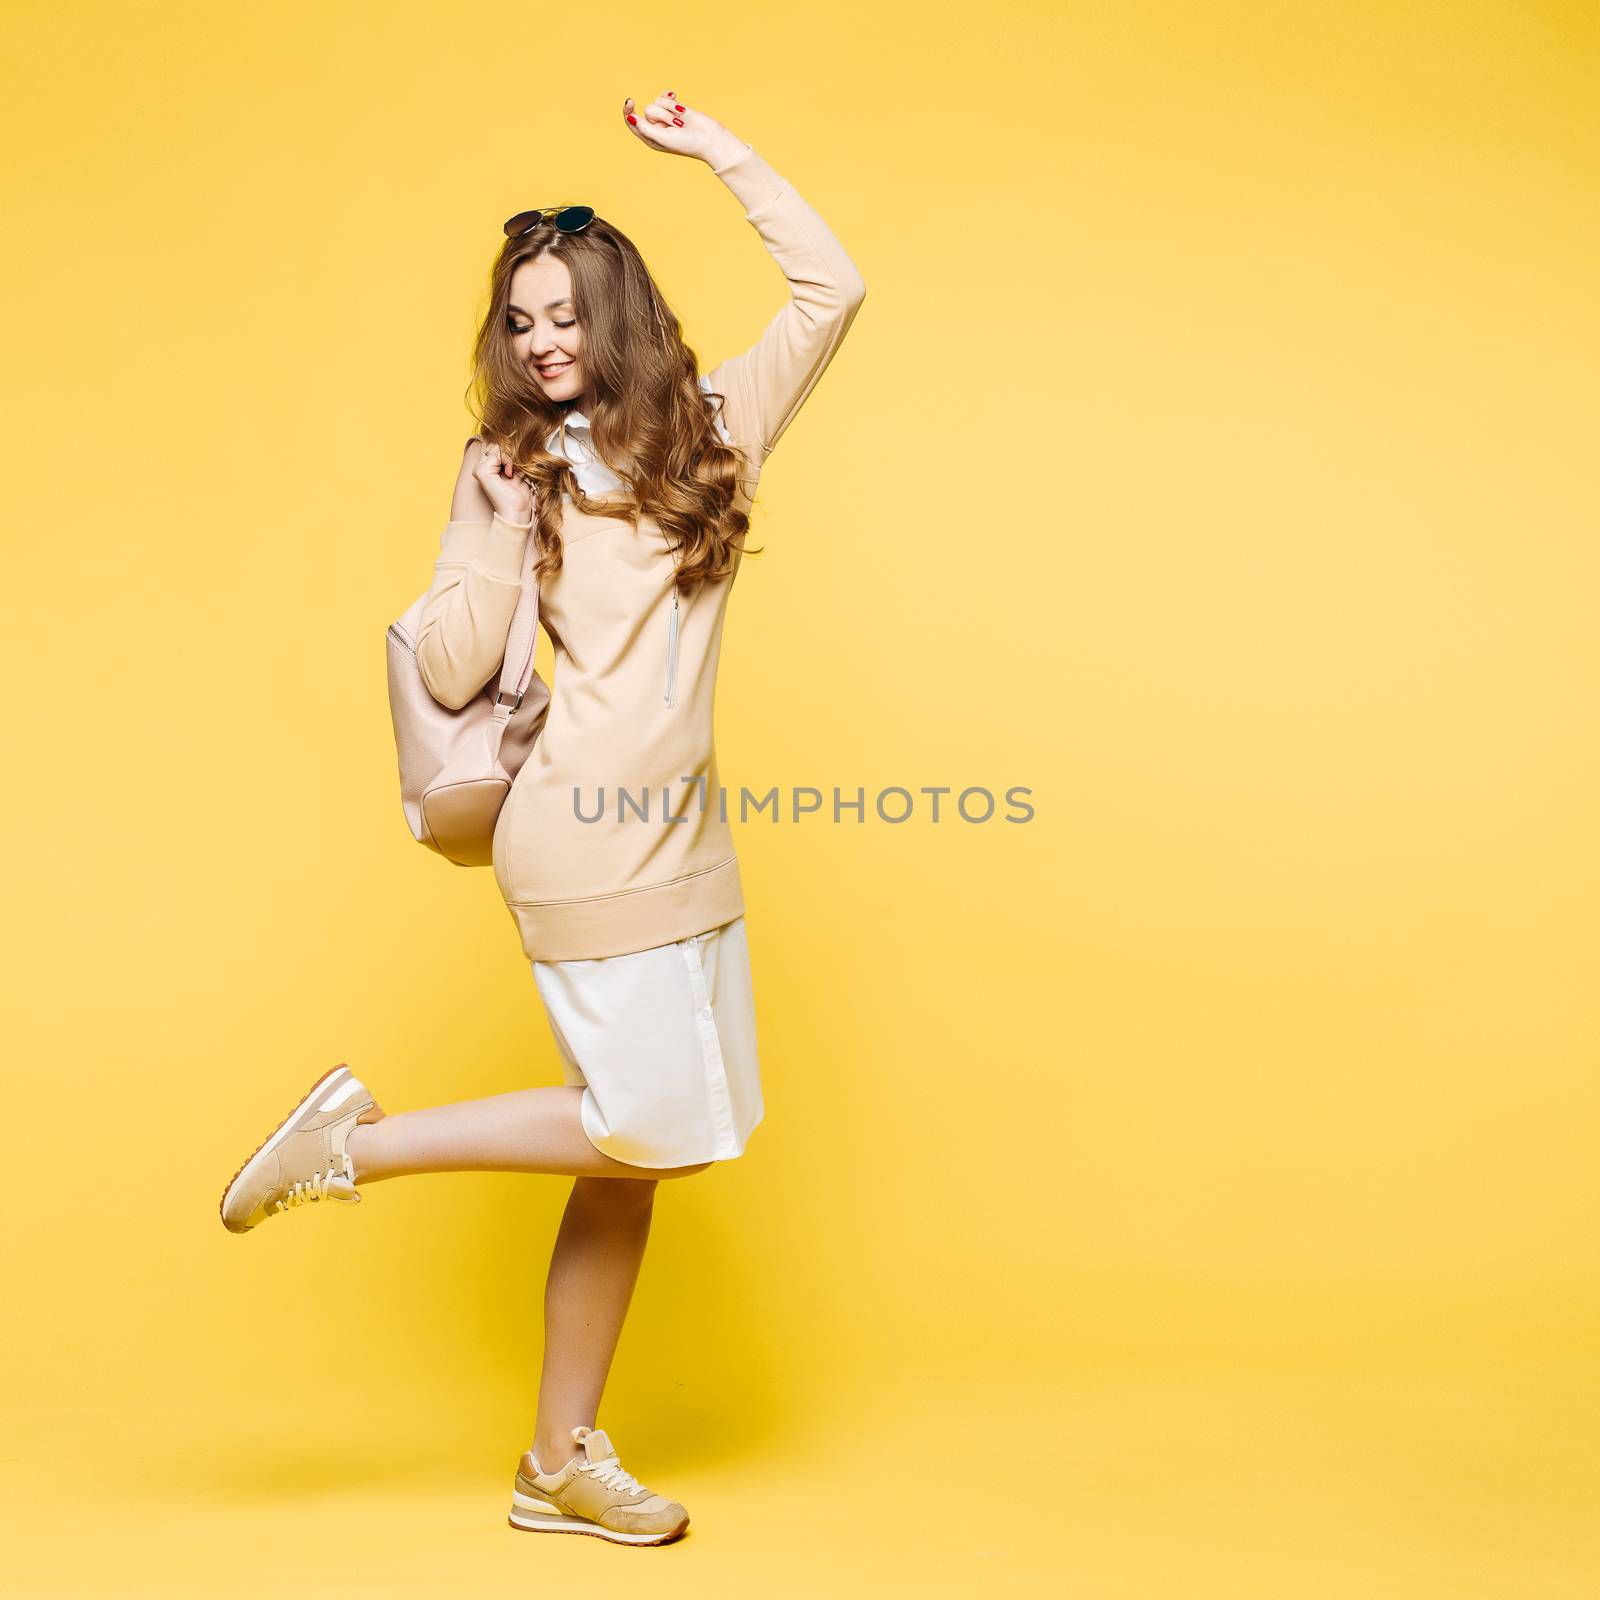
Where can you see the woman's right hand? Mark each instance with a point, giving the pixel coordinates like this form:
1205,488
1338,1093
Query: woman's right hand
508,491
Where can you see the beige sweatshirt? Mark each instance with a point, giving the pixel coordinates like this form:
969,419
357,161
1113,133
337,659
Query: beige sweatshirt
613,837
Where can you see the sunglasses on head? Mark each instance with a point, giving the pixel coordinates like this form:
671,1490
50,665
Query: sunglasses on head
567,219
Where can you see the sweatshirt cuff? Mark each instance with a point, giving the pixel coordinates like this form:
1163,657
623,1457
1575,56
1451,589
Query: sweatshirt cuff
503,549
753,182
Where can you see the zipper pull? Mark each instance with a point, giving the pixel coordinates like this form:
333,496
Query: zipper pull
672,653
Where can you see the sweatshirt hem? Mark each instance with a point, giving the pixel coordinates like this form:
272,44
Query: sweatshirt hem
623,921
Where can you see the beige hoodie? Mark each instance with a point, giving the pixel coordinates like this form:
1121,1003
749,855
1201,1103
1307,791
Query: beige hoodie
614,837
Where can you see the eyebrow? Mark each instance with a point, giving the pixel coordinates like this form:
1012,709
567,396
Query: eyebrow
566,300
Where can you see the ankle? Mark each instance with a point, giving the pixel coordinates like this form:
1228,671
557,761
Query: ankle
355,1146
551,1458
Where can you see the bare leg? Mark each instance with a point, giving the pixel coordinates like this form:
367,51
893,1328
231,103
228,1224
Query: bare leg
593,1269
527,1130
598,1248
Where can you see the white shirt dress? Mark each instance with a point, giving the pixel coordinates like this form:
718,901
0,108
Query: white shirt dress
662,1041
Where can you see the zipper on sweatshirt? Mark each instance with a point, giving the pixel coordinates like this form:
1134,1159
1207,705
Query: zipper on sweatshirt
672,653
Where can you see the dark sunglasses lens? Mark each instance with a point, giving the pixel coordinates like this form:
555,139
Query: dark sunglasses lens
573,218
521,223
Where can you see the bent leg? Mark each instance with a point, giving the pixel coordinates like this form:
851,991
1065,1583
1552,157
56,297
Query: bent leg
527,1130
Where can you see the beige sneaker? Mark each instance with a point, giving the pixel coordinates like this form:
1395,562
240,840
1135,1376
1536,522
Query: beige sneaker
304,1159
592,1494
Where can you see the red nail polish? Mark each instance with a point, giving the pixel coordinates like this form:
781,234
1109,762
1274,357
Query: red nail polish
678,120
633,119
677,108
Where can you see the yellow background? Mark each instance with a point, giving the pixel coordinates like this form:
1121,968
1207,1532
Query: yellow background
1187,1193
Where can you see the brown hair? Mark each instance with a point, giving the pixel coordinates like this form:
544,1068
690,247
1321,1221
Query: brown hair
649,412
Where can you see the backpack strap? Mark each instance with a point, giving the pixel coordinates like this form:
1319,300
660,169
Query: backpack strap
516,672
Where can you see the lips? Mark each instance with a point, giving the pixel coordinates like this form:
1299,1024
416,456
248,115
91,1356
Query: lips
553,372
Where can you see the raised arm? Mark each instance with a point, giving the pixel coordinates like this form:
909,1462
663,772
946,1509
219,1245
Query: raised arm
466,617
767,384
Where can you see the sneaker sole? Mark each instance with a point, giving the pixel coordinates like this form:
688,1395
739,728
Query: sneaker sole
528,1521
328,1078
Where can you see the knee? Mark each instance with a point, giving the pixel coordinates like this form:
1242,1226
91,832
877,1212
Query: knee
616,1195
643,1150
640,1191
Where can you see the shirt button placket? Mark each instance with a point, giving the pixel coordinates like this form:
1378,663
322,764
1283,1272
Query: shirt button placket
711,1051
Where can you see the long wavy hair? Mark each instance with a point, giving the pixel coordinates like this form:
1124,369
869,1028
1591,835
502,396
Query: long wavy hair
650,420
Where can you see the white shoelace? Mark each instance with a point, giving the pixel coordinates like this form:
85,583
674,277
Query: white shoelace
320,1186
610,1473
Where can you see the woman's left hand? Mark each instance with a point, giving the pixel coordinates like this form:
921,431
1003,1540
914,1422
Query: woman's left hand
675,129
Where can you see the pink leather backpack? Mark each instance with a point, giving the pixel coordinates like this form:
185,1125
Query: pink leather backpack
457,767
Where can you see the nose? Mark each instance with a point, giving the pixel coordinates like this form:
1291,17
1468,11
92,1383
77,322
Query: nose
543,345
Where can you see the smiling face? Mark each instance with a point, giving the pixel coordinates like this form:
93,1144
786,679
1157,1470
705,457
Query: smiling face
541,324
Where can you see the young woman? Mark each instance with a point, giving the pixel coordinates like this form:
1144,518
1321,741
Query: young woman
624,479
